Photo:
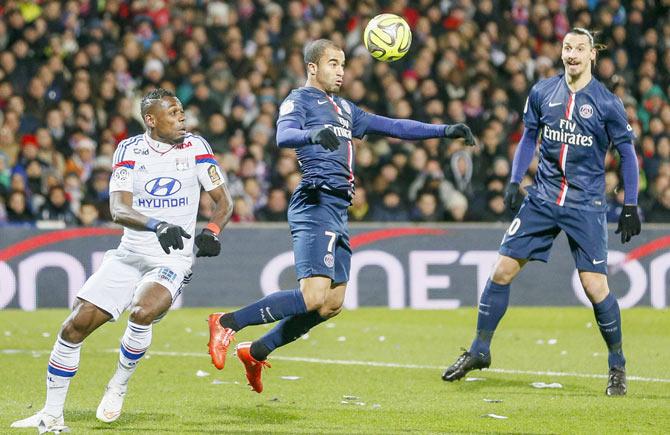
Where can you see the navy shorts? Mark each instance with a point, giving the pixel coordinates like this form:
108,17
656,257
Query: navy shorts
537,224
320,236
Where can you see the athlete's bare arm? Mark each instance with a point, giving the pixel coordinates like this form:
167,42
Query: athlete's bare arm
224,206
121,207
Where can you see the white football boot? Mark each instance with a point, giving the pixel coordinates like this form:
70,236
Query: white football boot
45,423
110,406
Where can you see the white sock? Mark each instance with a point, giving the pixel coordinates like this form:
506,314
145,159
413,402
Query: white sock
63,365
134,344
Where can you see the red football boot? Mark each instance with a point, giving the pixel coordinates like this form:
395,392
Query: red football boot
219,340
252,366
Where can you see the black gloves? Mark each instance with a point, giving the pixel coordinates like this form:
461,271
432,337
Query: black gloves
325,137
208,244
629,223
170,236
513,197
456,131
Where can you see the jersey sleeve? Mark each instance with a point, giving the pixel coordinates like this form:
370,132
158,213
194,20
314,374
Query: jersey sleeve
531,111
292,109
122,172
209,173
618,129
360,121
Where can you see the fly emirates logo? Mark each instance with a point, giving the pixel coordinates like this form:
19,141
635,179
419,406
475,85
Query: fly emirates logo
343,131
567,134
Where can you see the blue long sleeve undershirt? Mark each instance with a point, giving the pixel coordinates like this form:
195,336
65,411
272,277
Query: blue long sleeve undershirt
629,172
290,135
404,128
524,154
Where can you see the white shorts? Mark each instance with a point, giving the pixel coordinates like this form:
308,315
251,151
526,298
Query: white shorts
112,287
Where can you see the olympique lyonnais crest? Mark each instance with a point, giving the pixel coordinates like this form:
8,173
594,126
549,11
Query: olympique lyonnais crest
586,111
182,164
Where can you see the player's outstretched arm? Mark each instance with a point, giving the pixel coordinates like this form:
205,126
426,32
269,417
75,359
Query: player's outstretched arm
290,135
522,157
629,221
208,241
121,207
414,130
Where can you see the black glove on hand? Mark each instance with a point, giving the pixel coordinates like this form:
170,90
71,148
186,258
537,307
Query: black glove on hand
460,131
208,244
326,138
629,223
513,197
170,236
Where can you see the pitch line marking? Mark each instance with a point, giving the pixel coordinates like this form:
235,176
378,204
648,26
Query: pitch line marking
368,364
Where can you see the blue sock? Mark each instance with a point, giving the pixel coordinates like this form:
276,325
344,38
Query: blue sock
492,307
608,318
286,331
271,308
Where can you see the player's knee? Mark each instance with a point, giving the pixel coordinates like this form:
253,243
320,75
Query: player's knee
315,297
596,289
328,311
505,270
142,315
73,331
502,275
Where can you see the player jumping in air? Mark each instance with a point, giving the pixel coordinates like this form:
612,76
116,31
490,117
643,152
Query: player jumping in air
320,126
578,119
155,186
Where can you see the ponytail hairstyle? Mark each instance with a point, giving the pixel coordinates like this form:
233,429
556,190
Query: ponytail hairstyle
592,35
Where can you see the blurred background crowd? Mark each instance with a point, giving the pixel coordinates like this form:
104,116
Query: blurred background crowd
72,74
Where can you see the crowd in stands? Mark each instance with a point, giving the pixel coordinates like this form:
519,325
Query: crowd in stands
72,74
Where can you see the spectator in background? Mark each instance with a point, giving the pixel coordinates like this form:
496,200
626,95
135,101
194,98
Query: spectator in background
390,208
5,174
359,211
660,210
57,207
97,191
426,209
82,160
242,210
17,209
275,208
458,208
3,210
88,215
495,208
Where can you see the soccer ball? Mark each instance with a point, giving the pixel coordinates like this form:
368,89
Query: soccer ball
387,37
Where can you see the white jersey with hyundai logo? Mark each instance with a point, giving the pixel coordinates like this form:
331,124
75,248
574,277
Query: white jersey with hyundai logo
165,182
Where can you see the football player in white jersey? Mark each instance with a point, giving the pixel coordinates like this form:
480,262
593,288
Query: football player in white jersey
154,194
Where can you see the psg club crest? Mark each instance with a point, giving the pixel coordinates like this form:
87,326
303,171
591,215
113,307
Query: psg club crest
286,108
586,111
329,260
345,106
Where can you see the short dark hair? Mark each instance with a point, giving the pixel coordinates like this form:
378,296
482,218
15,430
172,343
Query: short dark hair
152,98
315,49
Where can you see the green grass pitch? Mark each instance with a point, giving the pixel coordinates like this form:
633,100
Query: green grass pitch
366,371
